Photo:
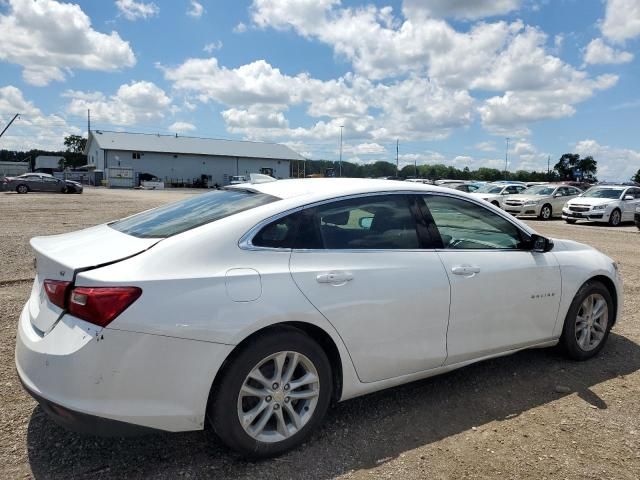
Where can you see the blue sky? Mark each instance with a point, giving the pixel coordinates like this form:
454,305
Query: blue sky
451,79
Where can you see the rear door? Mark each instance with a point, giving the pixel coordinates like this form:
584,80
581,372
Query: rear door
503,296
361,263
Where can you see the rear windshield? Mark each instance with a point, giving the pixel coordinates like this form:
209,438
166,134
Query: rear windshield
190,213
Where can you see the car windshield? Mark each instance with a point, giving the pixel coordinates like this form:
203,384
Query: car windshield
490,189
190,213
539,190
613,193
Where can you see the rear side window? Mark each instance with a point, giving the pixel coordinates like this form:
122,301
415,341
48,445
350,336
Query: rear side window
190,213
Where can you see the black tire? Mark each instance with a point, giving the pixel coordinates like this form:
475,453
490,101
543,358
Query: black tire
570,221
222,411
568,341
546,212
615,219
22,188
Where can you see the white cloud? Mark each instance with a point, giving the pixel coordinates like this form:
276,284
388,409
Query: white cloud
258,117
485,146
182,127
462,9
513,110
622,20
240,28
49,39
614,164
33,129
195,9
132,10
370,148
597,52
212,46
133,104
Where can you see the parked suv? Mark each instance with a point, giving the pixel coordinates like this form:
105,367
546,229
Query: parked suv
544,201
495,192
613,204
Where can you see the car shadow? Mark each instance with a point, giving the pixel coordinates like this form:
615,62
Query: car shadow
357,434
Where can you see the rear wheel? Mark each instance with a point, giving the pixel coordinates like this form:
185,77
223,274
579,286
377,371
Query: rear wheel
22,189
273,394
588,321
615,218
546,212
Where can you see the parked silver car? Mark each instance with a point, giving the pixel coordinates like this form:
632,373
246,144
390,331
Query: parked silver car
543,201
40,182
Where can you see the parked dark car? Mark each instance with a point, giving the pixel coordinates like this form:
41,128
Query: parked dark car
40,182
636,217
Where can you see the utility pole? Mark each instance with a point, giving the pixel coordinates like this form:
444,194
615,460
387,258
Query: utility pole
9,124
341,127
548,167
88,122
506,160
397,161
415,167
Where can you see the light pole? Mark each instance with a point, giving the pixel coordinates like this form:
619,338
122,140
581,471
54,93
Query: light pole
341,127
506,160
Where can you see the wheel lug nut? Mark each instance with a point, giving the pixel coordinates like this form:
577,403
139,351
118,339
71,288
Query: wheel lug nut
286,399
276,406
286,387
268,399
275,386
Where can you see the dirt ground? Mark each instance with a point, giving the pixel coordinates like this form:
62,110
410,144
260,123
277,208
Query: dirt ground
530,415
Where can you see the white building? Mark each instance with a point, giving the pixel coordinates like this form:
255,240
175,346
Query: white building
174,158
47,163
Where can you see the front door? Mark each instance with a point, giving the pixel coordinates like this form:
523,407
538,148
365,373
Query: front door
629,206
503,295
361,264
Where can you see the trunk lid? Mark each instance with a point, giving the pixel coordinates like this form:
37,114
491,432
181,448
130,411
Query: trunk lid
60,257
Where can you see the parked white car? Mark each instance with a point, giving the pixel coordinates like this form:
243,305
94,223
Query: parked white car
255,306
612,204
495,193
543,201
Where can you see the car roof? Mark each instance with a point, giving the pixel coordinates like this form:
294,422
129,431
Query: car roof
325,188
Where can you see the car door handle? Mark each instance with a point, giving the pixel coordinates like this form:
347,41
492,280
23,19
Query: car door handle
466,270
336,278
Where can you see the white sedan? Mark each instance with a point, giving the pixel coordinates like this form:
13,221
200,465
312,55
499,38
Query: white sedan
255,306
612,204
495,193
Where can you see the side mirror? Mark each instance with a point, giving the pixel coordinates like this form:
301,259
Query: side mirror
541,244
629,197
365,222
557,195
504,193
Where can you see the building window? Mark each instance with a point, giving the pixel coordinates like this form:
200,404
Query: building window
135,155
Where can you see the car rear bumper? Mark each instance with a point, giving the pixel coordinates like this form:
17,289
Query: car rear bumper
112,381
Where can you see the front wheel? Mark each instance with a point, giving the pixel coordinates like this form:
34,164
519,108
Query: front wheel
22,189
272,395
588,321
615,218
545,212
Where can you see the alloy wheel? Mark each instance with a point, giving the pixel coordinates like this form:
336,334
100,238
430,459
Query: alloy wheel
615,218
278,397
546,212
591,322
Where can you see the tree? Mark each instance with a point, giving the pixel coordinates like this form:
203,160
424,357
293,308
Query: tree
75,143
74,156
636,177
571,166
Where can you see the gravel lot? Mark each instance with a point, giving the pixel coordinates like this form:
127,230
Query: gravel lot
530,415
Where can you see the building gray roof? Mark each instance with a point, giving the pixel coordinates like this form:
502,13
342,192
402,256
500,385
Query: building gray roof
143,142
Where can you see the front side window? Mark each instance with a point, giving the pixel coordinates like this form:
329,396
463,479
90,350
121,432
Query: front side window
466,225
190,213
493,189
611,193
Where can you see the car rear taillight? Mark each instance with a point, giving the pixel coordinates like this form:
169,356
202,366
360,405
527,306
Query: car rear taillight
100,305
57,291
